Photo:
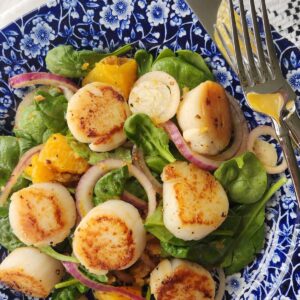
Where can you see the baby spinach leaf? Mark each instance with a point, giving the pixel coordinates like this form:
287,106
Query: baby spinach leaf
249,239
64,60
31,126
244,178
187,67
67,293
53,109
165,53
196,60
144,61
111,185
7,239
42,118
153,140
93,158
134,187
9,157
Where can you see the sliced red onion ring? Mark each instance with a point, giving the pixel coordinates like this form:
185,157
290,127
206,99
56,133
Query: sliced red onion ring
139,161
22,164
254,135
73,269
84,190
221,289
196,159
28,79
135,201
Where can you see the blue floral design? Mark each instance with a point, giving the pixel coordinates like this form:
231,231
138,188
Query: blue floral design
89,16
109,19
42,34
154,25
293,78
9,43
181,8
157,12
67,4
122,9
223,76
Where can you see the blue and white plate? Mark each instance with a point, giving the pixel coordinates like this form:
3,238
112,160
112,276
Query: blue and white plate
155,24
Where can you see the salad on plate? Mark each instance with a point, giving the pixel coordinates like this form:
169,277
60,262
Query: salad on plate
131,177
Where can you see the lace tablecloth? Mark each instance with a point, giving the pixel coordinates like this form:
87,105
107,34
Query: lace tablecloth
284,15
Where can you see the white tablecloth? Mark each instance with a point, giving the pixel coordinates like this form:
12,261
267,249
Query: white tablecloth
284,15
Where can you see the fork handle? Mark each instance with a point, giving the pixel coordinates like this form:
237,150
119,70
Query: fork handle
293,123
287,148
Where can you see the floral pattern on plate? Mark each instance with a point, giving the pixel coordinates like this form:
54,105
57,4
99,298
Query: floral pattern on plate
106,25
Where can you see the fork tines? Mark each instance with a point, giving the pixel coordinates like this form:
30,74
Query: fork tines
250,70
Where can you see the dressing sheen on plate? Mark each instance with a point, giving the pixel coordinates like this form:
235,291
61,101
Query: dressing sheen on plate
269,104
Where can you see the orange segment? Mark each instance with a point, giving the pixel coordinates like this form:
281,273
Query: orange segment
115,296
118,71
59,156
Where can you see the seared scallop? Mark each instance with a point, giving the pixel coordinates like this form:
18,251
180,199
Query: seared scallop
194,202
204,118
29,271
181,280
42,214
96,115
110,237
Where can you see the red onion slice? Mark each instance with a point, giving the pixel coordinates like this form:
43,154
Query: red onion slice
135,201
196,159
255,134
28,79
139,161
221,289
73,269
84,190
22,164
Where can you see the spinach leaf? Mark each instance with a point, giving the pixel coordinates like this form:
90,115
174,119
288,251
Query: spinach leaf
3,212
135,188
94,277
165,53
7,239
249,239
155,163
53,109
111,185
42,118
58,256
31,126
144,61
244,178
9,157
196,60
93,158
64,60
153,140
66,293
185,74
155,225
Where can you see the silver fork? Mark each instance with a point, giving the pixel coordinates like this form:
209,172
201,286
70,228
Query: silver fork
258,76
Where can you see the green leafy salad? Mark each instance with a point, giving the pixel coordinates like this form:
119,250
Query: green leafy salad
133,185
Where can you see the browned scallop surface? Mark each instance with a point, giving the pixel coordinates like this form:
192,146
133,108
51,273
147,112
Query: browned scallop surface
215,109
194,202
106,243
27,284
185,284
42,214
110,237
96,114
